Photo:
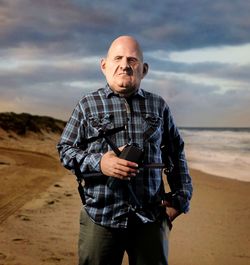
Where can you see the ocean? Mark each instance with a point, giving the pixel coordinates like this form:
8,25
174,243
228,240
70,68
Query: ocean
223,152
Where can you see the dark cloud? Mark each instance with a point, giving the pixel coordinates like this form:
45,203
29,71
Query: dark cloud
56,26
48,39
89,26
230,71
47,74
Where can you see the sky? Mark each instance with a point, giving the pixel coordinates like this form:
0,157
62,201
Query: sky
198,53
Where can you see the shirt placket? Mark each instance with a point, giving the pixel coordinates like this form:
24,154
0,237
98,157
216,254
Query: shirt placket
128,125
129,129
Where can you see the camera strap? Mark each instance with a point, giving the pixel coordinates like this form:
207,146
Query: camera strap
79,180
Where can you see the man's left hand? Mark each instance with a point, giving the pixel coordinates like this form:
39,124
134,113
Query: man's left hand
172,213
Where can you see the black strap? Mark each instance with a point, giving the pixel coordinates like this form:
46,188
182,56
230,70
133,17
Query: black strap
79,180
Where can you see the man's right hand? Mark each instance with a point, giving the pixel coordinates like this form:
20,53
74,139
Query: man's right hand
113,166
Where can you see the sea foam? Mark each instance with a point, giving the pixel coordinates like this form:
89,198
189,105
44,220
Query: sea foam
223,152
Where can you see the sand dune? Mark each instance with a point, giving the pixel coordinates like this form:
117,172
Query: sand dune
39,212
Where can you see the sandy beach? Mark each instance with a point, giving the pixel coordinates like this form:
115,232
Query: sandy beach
39,211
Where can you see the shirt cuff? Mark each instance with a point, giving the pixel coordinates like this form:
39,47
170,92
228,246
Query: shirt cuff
180,203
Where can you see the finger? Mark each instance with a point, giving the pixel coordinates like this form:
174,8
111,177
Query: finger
125,171
122,147
128,170
127,163
123,174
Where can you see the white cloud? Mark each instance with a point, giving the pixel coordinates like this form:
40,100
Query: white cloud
224,54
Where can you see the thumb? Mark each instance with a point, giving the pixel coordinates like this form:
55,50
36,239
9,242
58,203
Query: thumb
122,147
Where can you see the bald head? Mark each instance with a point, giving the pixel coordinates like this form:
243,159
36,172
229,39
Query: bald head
128,41
123,67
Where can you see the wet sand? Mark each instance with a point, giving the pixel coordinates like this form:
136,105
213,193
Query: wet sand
39,212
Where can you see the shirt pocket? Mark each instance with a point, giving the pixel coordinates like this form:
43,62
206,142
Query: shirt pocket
152,126
98,123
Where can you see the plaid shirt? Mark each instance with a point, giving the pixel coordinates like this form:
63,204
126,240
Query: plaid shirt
149,124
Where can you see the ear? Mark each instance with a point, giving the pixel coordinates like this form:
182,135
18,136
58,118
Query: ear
103,65
145,69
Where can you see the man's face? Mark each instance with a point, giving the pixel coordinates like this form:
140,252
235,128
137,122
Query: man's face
123,66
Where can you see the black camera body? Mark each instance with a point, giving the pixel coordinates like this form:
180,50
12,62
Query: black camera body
131,152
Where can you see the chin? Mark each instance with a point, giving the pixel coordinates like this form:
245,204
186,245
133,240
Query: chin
124,89
128,91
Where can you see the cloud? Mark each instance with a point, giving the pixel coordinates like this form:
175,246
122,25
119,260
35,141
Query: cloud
90,25
230,74
48,85
222,54
197,51
55,26
226,67
198,104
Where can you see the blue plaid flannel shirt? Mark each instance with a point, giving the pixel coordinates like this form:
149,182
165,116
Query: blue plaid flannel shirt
149,124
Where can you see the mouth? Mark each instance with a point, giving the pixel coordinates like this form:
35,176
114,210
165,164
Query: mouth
124,74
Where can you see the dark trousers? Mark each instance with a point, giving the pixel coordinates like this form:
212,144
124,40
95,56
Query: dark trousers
145,244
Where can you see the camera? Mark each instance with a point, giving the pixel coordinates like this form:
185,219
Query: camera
131,152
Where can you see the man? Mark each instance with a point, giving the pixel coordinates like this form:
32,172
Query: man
135,215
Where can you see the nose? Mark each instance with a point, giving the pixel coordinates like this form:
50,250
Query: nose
124,63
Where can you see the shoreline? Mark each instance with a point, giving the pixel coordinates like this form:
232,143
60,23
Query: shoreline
220,169
215,173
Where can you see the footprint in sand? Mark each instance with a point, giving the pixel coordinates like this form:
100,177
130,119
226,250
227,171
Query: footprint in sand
23,217
2,256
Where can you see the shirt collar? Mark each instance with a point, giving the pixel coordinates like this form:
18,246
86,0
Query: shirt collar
109,92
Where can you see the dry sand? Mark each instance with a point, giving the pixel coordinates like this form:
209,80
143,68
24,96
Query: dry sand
39,211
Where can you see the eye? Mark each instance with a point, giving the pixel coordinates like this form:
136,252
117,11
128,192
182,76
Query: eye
132,60
117,58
